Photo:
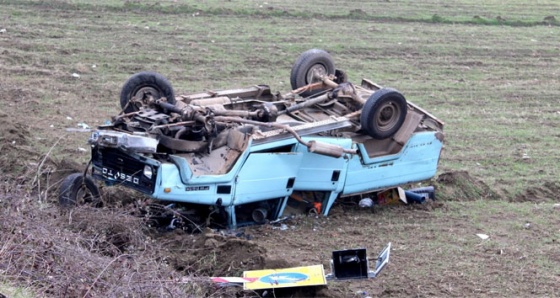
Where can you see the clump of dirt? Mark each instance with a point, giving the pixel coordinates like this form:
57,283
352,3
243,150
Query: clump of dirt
427,205
14,141
12,131
460,186
549,191
23,167
216,254
63,168
105,231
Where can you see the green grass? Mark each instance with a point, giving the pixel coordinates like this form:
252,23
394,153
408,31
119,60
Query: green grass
496,87
15,292
477,12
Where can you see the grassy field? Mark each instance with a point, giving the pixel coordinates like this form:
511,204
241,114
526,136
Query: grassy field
489,69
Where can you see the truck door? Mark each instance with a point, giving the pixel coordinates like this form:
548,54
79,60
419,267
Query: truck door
266,176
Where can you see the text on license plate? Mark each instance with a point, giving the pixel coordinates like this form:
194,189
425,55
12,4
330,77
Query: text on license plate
117,175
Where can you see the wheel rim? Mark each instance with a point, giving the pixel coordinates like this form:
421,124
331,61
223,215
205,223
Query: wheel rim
83,195
387,116
141,97
314,71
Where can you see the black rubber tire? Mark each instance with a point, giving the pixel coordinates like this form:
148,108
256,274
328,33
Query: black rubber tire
383,113
75,190
314,59
149,82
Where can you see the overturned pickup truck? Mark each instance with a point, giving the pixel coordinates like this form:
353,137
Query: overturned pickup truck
243,156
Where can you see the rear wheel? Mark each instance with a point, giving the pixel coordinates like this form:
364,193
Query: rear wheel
77,189
383,113
142,86
309,64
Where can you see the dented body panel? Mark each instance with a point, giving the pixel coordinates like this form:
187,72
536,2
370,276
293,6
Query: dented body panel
261,176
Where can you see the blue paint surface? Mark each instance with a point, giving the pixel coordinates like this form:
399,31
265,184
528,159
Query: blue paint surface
283,278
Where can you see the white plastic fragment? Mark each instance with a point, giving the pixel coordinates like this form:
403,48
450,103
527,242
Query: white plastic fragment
366,203
76,129
68,118
3,30
83,125
483,236
82,149
282,227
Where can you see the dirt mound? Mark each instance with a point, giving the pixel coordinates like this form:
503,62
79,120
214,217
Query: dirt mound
216,254
460,186
11,131
548,192
107,232
14,141
63,168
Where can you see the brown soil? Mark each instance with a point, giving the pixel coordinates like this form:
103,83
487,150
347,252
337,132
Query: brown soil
14,138
548,192
460,186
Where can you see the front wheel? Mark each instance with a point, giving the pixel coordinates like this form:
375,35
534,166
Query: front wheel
308,66
383,113
138,89
77,189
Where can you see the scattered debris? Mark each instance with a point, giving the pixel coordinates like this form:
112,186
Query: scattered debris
285,278
282,227
427,192
354,264
398,195
391,196
83,125
345,264
366,203
483,236
412,197
76,129
75,75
